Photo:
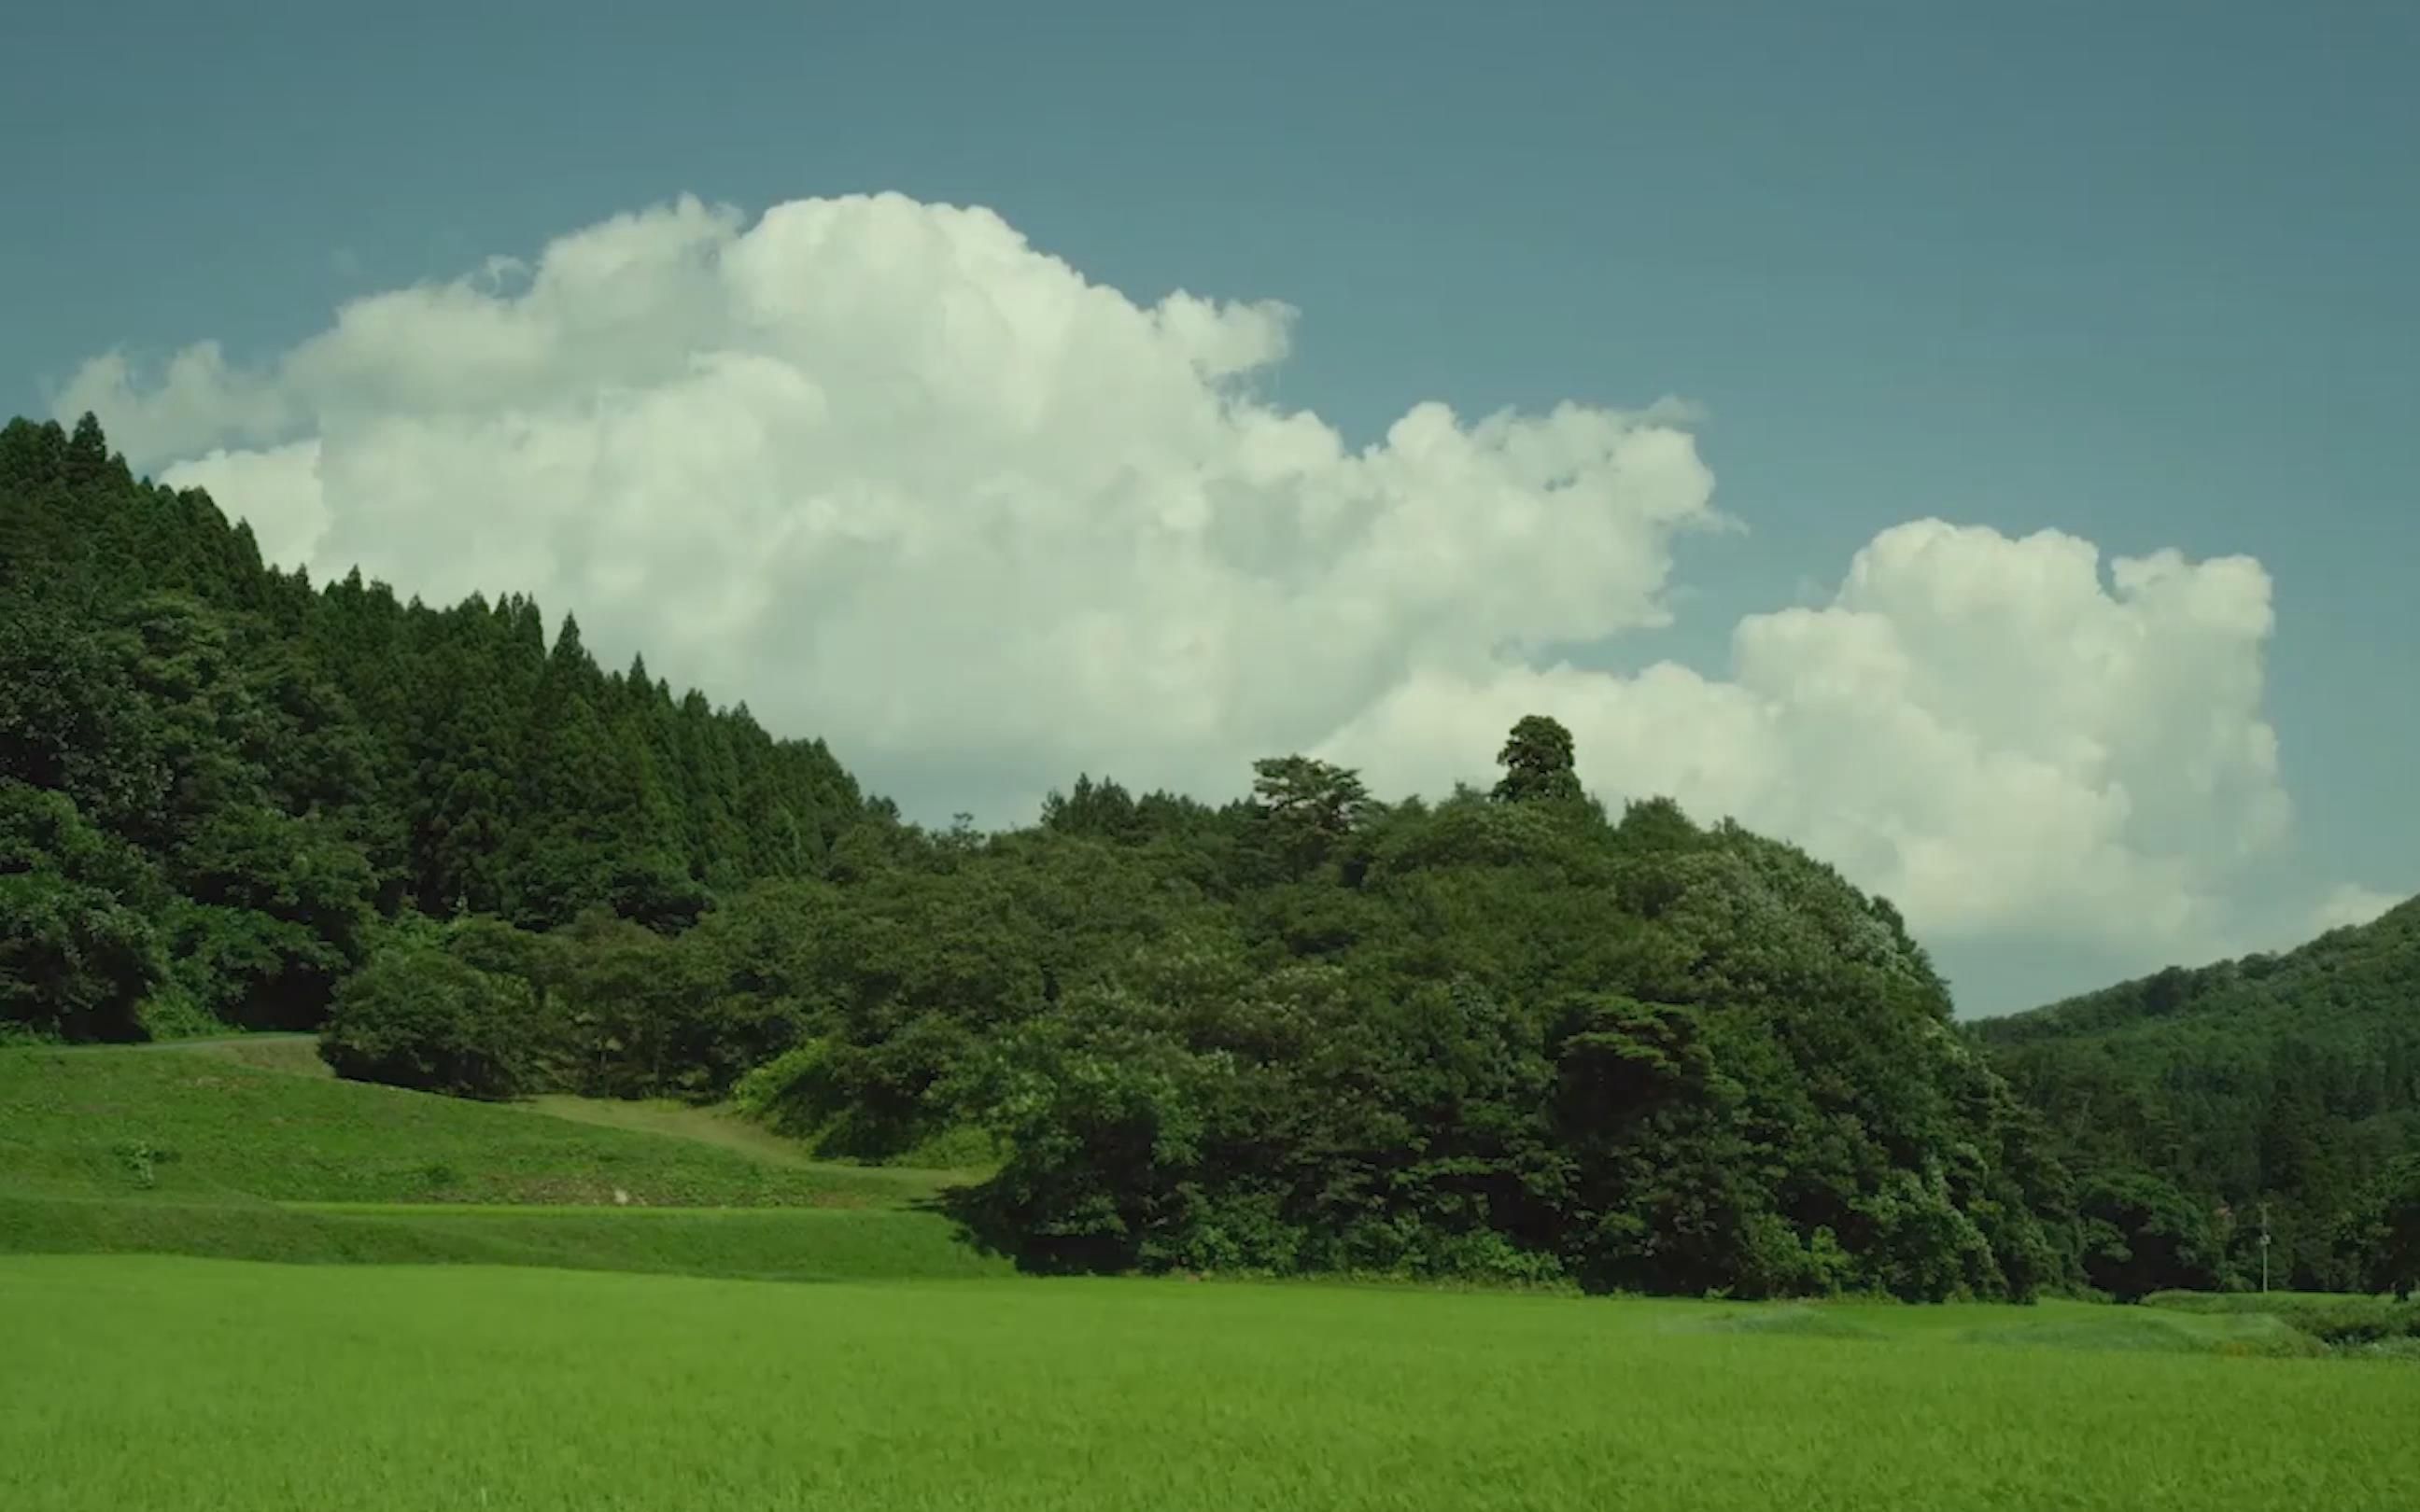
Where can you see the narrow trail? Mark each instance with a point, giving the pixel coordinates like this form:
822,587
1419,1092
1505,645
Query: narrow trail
299,1054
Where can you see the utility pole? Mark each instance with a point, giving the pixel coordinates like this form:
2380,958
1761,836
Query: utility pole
2264,1249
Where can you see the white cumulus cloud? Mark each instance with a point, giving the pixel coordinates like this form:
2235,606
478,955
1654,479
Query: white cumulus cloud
896,477
1979,727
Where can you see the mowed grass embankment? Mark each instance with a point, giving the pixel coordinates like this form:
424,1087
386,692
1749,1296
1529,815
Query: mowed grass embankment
759,1244
722,1127
113,1122
296,1052
214,1385
204,1150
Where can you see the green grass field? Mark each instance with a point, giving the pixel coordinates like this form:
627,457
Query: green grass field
209,1384
501,1334
245,1150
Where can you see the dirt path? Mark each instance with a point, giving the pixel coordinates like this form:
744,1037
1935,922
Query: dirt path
299,1054
721,1127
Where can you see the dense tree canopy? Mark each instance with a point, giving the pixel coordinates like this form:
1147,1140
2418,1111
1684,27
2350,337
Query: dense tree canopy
1500,1034
217,782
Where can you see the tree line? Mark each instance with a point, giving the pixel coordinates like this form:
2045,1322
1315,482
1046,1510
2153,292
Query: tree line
1505,1033
227,780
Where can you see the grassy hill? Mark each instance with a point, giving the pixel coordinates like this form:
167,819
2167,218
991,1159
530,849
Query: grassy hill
204,1150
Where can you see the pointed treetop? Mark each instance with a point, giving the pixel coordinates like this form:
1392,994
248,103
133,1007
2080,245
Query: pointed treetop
88,443
88,460
568,654
1537,759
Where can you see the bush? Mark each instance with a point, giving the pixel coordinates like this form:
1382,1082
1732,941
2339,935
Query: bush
74,963
787,1095
957,1147
171,1014
2352,1320
2382,1234
418,1017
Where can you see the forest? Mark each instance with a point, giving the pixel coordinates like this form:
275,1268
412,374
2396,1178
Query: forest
1504,1033
2273,1094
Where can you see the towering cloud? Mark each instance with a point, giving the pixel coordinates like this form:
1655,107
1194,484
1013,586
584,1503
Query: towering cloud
894,476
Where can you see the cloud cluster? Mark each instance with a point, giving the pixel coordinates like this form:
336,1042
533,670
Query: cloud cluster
1976,726
896,477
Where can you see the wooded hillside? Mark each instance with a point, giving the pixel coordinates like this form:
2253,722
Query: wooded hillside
2286,1081
1502,1033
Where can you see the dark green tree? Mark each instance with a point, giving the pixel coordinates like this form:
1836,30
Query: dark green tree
1537,759
78,954
419,1017
2381,1232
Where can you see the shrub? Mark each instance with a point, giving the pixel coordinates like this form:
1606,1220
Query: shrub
786,1093
418,1017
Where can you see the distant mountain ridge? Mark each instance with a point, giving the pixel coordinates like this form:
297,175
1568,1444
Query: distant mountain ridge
2387,948
2287,1079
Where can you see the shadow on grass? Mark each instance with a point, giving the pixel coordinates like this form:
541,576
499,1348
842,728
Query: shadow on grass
1797,1320
980,1219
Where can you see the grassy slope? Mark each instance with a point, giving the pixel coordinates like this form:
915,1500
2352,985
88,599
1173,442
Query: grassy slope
763,1244
199,1149
71,1120
727,1130
295,1053
213,1385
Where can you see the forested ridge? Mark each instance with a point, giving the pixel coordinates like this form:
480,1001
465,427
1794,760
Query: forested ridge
2278,1087
242,773
1501,1033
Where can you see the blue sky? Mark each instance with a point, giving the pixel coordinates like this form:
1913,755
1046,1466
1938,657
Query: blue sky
2137,272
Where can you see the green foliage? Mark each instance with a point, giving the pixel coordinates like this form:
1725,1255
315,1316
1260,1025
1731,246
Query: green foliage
1304,810
1458,1043
275,911
423,1019
2142,1235
1537,759
70,723
786,1093
171,1015
2382,1231
78,956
